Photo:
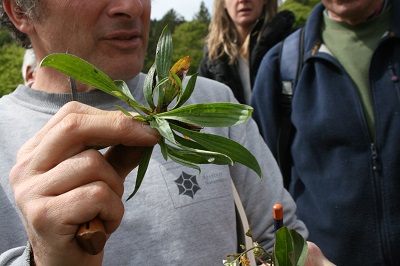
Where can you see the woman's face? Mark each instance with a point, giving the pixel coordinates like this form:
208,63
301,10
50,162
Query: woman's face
244,13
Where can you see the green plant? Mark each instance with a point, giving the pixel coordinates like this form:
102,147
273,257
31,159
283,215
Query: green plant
290,249
178,125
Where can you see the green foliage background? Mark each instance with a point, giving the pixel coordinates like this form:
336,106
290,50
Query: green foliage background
11,56
301,8
188,39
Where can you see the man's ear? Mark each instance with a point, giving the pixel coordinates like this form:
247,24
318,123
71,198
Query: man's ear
18,17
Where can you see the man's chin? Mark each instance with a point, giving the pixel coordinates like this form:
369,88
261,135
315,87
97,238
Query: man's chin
124,74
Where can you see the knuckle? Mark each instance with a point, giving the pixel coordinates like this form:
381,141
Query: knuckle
71,107
34,211
19,195
37,216
93,161
16,173
94,165
100,191
19,181
70,123
123,124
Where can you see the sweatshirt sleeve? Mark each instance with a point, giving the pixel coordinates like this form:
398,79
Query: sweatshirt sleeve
19,256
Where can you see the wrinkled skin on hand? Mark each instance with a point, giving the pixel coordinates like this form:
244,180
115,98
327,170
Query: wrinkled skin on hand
59,183
315,257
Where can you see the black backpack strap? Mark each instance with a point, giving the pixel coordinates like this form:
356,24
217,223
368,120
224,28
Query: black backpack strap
290,64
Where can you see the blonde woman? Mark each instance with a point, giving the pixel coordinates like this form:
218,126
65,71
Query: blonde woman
240,33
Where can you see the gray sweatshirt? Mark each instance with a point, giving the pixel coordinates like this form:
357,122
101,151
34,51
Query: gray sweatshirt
163,224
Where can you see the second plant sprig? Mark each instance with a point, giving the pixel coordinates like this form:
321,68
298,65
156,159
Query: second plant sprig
178,125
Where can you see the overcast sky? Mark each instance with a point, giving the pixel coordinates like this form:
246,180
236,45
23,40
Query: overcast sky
185,8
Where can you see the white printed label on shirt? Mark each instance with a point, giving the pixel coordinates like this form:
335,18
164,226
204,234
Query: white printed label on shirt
187,186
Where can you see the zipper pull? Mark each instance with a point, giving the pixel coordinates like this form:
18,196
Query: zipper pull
376,166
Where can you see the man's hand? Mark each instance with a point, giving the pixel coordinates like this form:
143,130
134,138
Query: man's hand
59,183
315,257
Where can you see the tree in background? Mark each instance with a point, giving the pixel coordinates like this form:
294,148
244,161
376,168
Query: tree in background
203,15
5,37
301,9
11,56
188,39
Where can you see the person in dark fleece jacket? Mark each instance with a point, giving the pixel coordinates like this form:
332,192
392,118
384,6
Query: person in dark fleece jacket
240,34
346,118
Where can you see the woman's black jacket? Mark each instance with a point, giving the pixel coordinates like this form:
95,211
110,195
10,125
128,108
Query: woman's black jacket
220,69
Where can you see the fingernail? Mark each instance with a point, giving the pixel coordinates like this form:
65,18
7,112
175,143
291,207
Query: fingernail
150,130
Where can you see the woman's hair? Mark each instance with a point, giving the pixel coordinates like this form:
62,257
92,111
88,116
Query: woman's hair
222,36
26,7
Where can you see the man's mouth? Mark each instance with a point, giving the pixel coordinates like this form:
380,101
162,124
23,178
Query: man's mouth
123,38
124,35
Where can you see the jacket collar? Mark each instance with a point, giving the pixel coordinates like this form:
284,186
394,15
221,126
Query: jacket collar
312,38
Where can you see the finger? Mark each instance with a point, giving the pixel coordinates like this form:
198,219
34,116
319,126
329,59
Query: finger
76,132
94,200
83,168
72,107
124,159
67,211
69,108
316,257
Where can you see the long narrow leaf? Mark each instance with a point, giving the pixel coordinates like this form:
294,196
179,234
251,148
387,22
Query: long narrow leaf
164,53
187,92
300,247
177,80
124,88
186,155
161,92
149,86
210,114
161,82
184,162
144,163
190,147
131,100
189,143
220,144
81,70
163,148
283,247
171,91
163,127
210,156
